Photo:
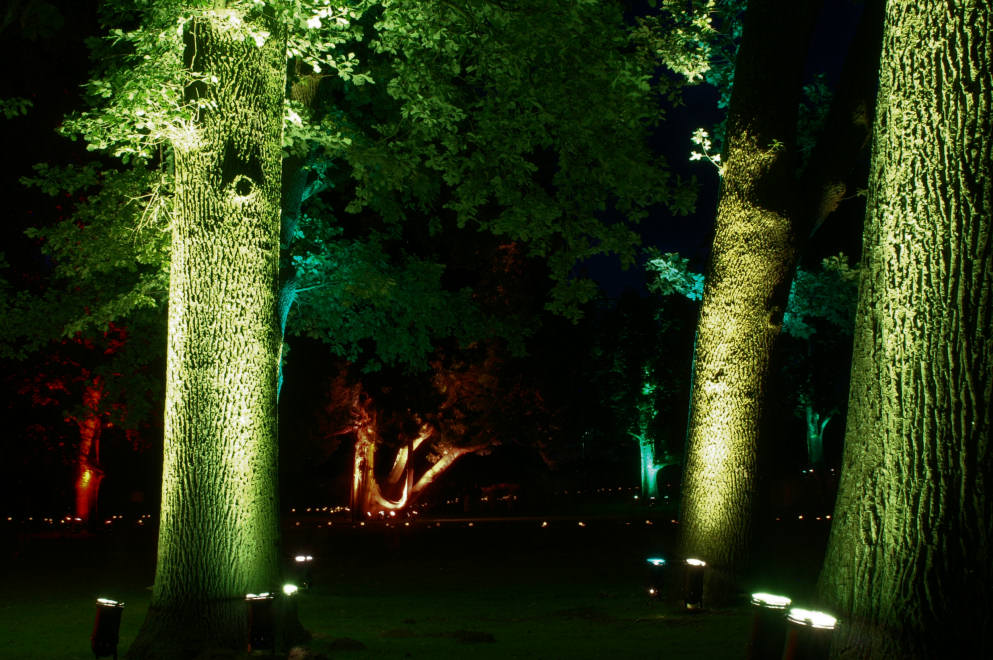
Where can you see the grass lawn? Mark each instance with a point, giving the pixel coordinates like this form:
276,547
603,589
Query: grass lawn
496,589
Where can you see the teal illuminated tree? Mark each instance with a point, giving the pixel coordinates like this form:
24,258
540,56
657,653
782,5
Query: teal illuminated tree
636,391
909,549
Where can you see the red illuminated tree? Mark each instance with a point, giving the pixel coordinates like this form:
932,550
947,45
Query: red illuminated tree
75,378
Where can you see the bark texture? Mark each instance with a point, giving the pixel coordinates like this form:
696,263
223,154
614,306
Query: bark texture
909,566
754,253
766,212
219,532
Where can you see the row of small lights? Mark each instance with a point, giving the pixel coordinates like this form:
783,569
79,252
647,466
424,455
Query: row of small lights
68,520
384,516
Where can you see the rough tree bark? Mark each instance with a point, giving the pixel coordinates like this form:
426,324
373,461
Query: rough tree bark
765,213
746,288
909,565
219,532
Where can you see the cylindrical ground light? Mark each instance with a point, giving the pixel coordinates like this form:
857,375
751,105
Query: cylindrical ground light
261,621
768,627
106,626
809,635
693,586
656,577
302,571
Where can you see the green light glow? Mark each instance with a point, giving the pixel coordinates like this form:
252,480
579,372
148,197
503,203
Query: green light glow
656,561
771,600
290,589
812,618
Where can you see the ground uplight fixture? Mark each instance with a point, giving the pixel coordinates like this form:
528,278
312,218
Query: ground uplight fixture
656,576
693,585
106,627
261,621
809,636
302,570
768,626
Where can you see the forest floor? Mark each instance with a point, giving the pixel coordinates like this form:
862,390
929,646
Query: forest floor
561,587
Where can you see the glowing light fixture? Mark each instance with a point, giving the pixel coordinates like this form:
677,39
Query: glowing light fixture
106,628
810,634
290,589
770,601
768,626
302,571
812,618
261,621
693,586
656,576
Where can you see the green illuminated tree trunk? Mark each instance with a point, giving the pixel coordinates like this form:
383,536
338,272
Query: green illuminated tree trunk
909,565
219,533
766,212
745,291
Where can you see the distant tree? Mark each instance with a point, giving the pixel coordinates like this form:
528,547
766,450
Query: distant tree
89,393
471,401
636,385
908,559
818,319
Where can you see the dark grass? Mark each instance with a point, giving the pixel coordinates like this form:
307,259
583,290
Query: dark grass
497,589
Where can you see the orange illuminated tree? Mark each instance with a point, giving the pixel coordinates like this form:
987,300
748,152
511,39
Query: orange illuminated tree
469,403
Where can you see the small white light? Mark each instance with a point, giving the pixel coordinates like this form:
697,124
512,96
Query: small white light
812,618
262,596
290,589
696,562
771,600
656,561
107,602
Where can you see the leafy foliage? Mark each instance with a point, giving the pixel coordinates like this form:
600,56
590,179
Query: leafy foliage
409,118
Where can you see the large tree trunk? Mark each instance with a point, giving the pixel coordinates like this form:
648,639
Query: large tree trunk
219,531
746,289
909,563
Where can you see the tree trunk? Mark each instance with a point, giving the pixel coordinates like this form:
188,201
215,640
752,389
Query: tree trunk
746,289
649,468
815,436
219,528
89,474
908,565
